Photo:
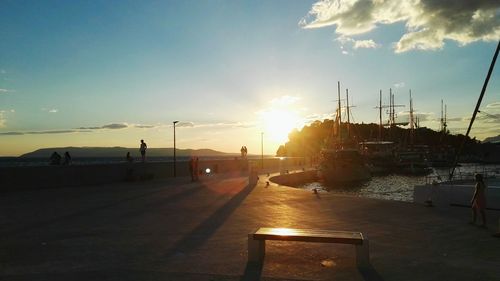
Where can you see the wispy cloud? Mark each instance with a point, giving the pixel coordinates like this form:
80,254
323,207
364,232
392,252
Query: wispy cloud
365,44
6,91
223,125
494,105
142,126
428,23
347,42
400,85
3,120
284,100
112,126
18,133
184,124
50,110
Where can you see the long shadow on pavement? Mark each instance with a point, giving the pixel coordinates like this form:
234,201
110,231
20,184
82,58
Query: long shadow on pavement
253,272
88,211
370,274
204,231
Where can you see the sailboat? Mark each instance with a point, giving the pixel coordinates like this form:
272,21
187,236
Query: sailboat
380,154
413,159
341,161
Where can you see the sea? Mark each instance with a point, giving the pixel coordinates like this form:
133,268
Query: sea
400,187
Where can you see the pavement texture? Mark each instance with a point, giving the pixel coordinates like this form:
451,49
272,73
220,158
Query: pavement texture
179,230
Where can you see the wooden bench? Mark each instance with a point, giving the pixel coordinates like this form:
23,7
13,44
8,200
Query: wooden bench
257,241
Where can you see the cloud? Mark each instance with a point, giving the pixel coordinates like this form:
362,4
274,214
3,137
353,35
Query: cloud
400,85
184,124
2,71
50,110
455,119
348,42
428,22
225,125
3,120
144,126
5,91
112,126
43,132
494,105
365,44
284,100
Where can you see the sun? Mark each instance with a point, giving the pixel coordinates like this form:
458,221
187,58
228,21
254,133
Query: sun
278,123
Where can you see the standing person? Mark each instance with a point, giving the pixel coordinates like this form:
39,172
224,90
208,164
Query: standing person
67,158
479,200
242,150
55,158
195,168
143,150
191,168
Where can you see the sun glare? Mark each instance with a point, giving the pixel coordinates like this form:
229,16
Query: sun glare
278,123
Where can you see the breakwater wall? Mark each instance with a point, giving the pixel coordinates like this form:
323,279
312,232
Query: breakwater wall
26,178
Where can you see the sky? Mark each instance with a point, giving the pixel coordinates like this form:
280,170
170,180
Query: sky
234,73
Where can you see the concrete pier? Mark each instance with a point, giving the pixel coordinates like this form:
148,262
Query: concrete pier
173,229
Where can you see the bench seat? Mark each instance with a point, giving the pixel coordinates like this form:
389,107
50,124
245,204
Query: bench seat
256,241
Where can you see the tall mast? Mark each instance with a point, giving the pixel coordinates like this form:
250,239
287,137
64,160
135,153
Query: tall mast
441,125
412,132
478,104
445,125
348,115
340,111
380,117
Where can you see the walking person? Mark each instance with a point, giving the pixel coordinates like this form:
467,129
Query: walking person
479,200
191,168
143,150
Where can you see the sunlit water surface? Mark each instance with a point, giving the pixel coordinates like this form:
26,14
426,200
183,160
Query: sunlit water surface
399,187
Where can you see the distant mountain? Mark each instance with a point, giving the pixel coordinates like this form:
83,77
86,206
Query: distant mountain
121,152
492,139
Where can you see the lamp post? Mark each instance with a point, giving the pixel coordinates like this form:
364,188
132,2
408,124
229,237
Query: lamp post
262,150
175,159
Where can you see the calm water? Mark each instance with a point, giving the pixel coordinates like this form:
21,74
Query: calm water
399,187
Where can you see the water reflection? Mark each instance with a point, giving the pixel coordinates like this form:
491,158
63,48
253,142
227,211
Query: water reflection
398,187
390,187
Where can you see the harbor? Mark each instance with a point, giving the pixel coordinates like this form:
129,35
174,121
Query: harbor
173,229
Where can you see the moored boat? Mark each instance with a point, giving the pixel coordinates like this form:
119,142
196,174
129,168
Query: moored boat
343,166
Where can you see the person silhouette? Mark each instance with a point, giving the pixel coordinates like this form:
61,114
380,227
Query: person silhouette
67,158
478,200
55,158
143,150
129,158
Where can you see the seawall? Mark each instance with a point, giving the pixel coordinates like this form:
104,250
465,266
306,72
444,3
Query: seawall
26,178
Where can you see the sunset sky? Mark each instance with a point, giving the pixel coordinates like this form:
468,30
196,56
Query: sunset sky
109,73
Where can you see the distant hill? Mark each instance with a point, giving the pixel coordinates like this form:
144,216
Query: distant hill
492,139
121,152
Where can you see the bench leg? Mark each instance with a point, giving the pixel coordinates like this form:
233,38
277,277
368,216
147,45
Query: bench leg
256,249
363,254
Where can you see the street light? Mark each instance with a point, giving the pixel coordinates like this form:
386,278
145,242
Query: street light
262,150
175,159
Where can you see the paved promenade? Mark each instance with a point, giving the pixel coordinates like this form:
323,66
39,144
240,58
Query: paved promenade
178,230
